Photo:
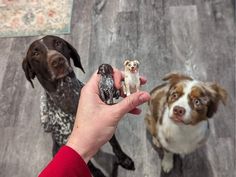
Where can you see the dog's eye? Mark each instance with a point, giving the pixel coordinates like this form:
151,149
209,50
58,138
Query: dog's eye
197,102
175,95
58,43
129,64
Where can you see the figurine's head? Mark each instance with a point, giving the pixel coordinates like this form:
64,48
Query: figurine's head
105,69
131,65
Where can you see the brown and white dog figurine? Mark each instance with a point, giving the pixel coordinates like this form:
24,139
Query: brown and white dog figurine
132,82
179,112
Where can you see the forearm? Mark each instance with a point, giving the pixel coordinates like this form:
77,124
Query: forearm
67,162
81,145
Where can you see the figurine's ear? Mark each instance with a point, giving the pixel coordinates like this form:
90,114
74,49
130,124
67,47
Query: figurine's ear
126,62
111,70
137,62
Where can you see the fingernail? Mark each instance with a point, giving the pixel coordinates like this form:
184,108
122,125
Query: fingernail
144,78
144,97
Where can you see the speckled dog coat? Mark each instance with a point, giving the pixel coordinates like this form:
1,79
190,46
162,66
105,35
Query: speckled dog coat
58,109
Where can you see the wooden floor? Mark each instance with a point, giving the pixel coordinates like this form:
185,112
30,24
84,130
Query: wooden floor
191,36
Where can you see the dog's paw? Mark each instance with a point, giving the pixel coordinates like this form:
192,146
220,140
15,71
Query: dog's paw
167,165
126,162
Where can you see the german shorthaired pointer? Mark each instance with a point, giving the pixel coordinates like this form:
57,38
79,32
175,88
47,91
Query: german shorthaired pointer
48,59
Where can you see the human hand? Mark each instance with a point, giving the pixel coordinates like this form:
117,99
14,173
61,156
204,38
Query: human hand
96,121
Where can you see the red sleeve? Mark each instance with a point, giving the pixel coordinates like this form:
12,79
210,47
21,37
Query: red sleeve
66,163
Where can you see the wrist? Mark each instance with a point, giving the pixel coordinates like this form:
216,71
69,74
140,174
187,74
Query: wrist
80,147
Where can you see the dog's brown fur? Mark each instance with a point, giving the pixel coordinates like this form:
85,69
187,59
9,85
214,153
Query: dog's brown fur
161,96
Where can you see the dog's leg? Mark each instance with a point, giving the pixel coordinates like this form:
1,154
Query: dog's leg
167,162
127,90
94,170
138,86
102,96
151,124
115,170
124,88
123,160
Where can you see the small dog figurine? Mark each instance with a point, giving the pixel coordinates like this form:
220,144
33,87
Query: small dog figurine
132,82
106,84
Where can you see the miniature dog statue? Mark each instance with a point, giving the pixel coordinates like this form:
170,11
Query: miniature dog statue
131,81
106,84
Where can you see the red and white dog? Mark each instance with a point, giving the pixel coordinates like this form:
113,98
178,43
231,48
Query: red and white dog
131,81
178,114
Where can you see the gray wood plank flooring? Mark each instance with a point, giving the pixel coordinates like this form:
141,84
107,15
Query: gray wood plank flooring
196,37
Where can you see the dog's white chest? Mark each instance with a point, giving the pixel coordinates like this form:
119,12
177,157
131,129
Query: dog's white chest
180,138
132,79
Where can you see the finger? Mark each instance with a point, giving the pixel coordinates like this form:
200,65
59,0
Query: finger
118,77
143,80
136,111
93,82
131,102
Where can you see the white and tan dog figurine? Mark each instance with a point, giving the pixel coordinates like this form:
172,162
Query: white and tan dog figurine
131,81
178,115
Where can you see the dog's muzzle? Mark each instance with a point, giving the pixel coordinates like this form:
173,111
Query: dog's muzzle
59,66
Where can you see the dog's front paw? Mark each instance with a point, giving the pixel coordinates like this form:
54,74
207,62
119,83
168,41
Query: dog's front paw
126,162
167,165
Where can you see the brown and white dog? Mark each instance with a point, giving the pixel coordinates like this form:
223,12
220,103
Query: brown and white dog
178,114
131,81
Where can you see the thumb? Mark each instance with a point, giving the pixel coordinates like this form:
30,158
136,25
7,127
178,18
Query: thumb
131,102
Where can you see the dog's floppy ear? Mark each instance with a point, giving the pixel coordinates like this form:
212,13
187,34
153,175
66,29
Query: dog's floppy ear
28,71
111,71
75,56
175,77
137,62
216,94
126,62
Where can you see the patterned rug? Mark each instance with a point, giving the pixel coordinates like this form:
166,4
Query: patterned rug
34,17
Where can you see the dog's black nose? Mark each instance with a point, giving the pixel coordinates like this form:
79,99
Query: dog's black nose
179,111
57,61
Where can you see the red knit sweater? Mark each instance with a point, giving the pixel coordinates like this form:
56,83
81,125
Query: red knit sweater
66,163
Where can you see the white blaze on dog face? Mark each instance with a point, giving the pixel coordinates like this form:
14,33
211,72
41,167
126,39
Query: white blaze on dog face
188,102
58,65
191,101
